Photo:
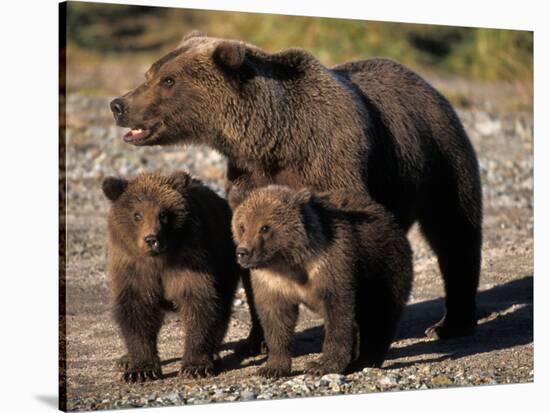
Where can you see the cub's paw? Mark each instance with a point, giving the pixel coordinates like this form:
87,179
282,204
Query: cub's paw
273,372
140,372
322,367
196,371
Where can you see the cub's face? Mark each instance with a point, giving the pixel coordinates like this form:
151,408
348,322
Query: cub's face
268,226
183,94
147,212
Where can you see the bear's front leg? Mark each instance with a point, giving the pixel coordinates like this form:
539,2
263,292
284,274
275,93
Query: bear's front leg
278,318
204,331
139,321
196,366
340,337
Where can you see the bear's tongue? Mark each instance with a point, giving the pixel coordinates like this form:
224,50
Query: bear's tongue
136,135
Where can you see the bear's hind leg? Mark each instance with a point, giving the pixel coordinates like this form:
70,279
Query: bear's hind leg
452,226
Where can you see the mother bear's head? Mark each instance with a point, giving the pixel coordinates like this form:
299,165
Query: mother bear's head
213,91
183,93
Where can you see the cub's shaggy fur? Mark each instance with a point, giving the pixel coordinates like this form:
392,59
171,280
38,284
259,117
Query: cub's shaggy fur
340,254
169,249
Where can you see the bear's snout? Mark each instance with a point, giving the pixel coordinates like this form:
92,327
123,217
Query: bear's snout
154,244
244,256
243,252
119,107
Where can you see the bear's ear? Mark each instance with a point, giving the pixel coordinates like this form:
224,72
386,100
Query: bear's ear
194,33
230,54
113,187
303,196
180,180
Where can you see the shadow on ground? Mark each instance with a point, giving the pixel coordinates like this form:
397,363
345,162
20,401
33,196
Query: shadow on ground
506,320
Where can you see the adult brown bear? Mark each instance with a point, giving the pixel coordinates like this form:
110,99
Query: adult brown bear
370,125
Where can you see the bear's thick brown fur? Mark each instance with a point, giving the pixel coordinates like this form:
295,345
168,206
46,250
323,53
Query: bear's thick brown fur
370,125
340,254
169,249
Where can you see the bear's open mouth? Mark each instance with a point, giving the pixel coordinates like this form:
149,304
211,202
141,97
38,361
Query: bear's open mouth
136,135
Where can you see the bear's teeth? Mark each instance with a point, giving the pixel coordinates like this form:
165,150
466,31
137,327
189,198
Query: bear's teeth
136,131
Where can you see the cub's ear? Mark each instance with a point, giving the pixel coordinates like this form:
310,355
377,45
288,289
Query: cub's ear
238,192
303,196
230,54
194,33
113,187
180,180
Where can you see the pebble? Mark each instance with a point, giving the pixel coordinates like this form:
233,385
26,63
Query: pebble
248,395
387,381
173,397
442,381
332,379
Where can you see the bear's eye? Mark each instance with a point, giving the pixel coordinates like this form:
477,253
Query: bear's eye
241,229
265,229
137,217
163,216
168,81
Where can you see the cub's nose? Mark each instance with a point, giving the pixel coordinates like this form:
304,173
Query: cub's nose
242,253
152,241
118,107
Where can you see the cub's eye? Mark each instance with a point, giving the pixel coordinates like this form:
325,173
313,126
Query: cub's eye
241,229
168,81
137,217
163,216
265,229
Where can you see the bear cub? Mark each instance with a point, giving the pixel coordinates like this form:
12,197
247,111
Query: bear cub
169,249
338,253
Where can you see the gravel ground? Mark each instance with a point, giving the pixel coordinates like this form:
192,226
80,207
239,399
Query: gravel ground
500,352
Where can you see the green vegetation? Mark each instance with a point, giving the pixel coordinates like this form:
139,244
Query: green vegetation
478,54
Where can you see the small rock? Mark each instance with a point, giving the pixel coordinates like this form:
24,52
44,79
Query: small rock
173,397
238,302
387,381
488,126
332,379
219,393
248,395
442,381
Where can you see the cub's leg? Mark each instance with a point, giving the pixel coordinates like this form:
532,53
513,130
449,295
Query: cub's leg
139,317
205,325
339,346
278,317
